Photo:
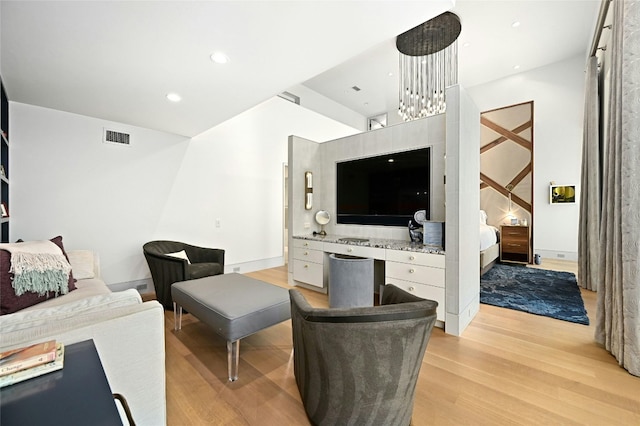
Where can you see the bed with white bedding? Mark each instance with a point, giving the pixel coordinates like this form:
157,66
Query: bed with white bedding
489,244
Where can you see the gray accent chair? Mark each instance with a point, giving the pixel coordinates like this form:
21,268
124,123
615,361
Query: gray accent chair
166,270
360,365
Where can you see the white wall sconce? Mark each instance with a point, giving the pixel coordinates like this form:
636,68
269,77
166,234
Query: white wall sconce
308,190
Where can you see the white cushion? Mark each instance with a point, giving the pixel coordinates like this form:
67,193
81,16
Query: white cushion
180,255
82,264
23,320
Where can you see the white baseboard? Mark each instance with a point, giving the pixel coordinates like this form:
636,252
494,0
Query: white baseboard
146,285
456,323
255,265
557,254
143,286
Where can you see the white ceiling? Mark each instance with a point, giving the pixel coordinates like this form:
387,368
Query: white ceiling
117,60
549,31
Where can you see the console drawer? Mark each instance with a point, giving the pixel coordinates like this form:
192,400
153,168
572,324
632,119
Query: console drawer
415,273
416,258
423,291
307,244
352,250
308,272
308,255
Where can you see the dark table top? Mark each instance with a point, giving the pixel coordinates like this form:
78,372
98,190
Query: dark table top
79,394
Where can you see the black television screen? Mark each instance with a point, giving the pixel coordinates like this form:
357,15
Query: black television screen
384,190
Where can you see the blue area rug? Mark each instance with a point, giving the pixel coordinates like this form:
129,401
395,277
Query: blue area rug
536,291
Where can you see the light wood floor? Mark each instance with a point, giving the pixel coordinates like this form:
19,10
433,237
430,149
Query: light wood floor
507,368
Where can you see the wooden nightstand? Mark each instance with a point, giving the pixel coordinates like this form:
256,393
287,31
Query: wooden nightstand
515,244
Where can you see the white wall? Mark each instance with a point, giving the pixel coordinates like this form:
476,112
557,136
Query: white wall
322,160
463,203
113,199
314,101
557,91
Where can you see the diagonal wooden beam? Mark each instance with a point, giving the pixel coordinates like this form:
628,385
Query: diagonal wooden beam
483,186
523,173
506,133
502,190
501,139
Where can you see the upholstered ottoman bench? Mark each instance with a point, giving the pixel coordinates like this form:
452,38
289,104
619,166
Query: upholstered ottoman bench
235,305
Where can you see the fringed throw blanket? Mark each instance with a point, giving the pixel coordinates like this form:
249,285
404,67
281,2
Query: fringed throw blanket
38,267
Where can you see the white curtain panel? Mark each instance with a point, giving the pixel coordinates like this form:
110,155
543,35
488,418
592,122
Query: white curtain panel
618,313
589,225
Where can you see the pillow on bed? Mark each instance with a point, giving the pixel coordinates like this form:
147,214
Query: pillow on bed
483,217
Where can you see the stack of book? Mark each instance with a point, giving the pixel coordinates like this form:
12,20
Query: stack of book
20,364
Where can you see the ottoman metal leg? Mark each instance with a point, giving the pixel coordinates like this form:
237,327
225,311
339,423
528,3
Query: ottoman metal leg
233,357
177,316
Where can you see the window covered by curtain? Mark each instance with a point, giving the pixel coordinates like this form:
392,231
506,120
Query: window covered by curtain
617,274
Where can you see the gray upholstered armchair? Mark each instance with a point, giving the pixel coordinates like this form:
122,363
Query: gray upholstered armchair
166,270
360,365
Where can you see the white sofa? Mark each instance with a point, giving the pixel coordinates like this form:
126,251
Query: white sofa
128,334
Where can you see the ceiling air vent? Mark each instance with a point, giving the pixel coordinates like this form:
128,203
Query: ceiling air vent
119,138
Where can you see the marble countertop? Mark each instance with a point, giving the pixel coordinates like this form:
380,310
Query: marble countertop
373,242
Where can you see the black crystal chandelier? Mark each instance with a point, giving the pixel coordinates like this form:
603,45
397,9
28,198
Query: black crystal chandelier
428,64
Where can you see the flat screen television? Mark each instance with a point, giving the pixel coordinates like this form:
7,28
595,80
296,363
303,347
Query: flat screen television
384,190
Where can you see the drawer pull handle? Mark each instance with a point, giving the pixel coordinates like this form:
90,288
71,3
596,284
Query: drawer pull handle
349,250
306,266
412,288
411,271
412,258
306,244
306,253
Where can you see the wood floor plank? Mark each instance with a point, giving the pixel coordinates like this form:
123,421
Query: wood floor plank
508,368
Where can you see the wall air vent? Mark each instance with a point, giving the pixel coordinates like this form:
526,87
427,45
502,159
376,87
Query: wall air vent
115,137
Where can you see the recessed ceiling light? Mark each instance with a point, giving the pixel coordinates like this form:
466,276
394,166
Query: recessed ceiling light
515,24
174,97
390,74
219,58
516,67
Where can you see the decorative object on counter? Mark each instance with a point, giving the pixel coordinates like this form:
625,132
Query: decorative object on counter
322,218
428,64
415,231
415,226
433,233
308,190
514,221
